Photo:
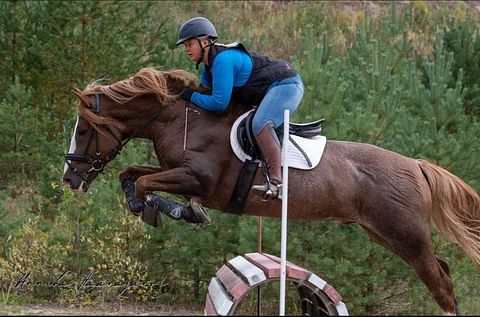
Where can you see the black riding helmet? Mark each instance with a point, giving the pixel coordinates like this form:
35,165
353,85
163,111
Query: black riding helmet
196,27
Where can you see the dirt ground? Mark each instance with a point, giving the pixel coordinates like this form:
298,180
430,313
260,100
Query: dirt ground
103,310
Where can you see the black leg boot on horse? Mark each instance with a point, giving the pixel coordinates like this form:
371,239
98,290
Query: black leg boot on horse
269,145
193,213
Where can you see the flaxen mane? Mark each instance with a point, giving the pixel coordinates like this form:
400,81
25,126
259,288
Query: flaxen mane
165,85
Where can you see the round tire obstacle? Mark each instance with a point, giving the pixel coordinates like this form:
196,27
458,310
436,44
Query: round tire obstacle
235,279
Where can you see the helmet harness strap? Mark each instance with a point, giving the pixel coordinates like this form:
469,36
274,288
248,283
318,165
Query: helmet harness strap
202,50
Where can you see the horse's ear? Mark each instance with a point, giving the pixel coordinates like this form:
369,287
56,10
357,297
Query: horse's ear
77,92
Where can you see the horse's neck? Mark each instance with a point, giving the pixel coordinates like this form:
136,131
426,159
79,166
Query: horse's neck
194,123
175,123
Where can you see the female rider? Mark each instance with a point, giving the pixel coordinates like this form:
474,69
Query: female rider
234,73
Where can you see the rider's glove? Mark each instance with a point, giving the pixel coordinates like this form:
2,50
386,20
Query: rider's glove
187,94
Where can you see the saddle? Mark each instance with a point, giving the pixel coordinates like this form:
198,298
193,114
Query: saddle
246,138
304,138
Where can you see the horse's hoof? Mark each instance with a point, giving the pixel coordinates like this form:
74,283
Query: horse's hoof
152,217
195,213
136,206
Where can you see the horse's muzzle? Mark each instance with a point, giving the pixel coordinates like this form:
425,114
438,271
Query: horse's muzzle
81,186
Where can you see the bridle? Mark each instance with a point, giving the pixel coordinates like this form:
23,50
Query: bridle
97,163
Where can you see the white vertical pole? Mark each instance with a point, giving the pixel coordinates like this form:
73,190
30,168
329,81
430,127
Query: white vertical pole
283,241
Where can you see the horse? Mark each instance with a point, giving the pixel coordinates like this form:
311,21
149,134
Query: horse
394,198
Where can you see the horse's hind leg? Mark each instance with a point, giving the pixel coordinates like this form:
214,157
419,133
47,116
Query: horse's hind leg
414,247
446,269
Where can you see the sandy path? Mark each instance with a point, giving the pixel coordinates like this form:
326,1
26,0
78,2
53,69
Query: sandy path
103,310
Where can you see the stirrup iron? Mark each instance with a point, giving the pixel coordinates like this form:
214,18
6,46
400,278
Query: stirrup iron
270,190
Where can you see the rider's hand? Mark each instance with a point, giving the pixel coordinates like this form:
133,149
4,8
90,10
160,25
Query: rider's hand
187,94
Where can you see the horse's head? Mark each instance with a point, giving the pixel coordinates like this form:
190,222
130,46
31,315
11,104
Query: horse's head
96,140
105,119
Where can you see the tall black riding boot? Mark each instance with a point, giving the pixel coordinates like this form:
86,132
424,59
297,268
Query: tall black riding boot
271,151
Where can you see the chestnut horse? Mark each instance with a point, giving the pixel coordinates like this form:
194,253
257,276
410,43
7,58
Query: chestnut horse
393,197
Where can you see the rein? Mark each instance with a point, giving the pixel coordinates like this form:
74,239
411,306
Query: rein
97,164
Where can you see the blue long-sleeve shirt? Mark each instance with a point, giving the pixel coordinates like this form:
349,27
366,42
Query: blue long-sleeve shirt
231,68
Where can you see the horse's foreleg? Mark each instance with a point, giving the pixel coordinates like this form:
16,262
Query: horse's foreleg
179,181
133,172
127,181
176,181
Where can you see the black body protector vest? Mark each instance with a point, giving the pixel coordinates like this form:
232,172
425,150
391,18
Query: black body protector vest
264,73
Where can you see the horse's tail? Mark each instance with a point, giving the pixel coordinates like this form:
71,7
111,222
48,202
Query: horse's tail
456,208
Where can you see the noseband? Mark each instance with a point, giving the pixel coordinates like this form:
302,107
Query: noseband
97,163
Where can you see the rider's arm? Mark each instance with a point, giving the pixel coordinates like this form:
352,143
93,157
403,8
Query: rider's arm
229,69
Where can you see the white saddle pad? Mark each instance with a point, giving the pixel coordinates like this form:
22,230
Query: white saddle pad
312,147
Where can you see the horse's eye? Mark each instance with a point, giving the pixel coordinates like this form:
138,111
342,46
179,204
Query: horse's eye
82,132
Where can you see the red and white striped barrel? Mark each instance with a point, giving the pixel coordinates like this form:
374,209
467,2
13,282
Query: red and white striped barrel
241,274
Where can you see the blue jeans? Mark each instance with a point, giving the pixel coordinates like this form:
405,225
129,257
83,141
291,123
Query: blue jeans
282,95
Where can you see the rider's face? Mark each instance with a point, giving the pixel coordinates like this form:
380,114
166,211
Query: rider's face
193,49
